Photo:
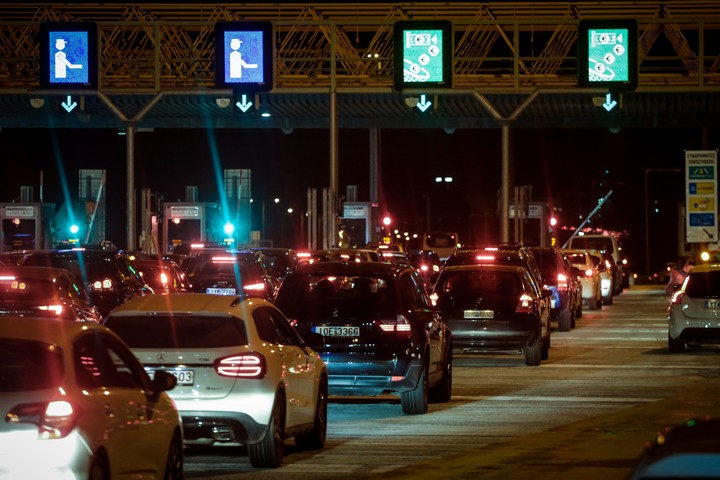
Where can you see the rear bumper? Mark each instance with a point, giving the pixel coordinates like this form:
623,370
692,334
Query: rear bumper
694,330
208,428
358,374
494,335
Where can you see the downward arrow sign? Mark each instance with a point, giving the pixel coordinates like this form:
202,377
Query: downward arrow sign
609,102
244,105
69,105
423,104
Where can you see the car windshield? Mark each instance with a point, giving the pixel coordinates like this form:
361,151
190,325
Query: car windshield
603,244
17,289
179,331
338,296
703,284
29,365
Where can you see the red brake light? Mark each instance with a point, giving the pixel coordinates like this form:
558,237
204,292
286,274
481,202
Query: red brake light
254,287
526,304
562,280
244,365
400,326
55,419
485,258
58,309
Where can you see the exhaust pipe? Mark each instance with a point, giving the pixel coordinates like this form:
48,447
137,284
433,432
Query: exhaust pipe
223,434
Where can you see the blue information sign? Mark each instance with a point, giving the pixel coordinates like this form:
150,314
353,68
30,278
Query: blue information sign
68,55
607,54
243,56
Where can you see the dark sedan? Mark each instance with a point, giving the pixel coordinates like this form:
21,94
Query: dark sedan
44,292
380,333
494,308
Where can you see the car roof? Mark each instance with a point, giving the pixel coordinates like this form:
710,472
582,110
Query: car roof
705,267
46,330
43,273
196,303
351,268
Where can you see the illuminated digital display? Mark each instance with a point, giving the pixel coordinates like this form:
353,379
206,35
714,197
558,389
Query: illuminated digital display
423,54
68,55
243,56
607,54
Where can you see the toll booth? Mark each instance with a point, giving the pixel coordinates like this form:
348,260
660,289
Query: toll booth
530,227
26,226
187,222
356,224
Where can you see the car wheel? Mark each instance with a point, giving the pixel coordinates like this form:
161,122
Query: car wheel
578,312
564,320
268,452
533,353
442,392
607,300
545,351
174,462
415,401
99,468
315,439
675,345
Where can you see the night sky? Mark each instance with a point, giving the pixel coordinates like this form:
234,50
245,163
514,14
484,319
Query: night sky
568,168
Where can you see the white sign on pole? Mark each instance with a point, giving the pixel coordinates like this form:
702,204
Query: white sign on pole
701,224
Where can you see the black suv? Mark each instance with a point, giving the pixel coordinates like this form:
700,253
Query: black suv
380,333
556,278
108,276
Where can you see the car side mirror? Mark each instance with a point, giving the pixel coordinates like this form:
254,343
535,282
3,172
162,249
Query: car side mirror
163,381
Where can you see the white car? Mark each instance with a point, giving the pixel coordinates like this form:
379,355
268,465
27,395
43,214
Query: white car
76,403
694,311
244,375
589,276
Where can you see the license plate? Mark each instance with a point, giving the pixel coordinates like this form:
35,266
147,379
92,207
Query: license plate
184,377
220,291
712,303
474,314
337,331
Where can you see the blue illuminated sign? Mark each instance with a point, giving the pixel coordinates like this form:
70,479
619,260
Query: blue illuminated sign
607,54
243,56
68,55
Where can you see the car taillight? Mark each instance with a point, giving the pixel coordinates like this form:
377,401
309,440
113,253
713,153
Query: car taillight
562,280
57,309
434,299
163,278
243,365
105,284
54,419
254,287
677,297
589,272
526,304
424,268
400,326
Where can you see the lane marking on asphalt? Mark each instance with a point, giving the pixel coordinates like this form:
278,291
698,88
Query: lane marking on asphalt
598,400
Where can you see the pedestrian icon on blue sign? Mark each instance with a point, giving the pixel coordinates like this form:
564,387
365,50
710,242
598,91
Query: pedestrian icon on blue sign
70,57
243,57
236,61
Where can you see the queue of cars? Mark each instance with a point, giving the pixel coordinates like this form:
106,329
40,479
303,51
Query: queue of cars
249,345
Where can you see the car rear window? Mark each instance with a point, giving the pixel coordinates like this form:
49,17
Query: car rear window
703,285
548,263
302,296
87,268
480,283
19,289
29,365
179,331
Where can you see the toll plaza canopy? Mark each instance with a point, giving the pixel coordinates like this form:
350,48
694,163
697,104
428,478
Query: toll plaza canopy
511,62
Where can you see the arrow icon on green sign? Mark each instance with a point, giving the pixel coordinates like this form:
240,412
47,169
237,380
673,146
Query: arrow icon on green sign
423,104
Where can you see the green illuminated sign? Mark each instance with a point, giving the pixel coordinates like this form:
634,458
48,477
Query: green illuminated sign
607,54
423,54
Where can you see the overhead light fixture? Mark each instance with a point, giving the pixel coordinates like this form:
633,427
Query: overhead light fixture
37,102
265,115
222,102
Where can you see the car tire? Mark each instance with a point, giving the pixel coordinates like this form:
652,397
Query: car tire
174,462
415,402
442,392
315,438
579,311
607,300
545,351
269,452
564,320
533,353
675,345
99,468
592,304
